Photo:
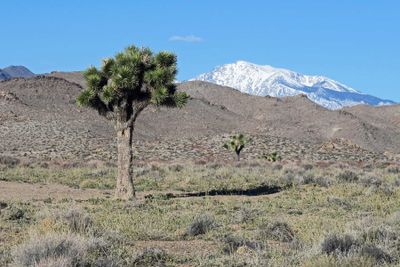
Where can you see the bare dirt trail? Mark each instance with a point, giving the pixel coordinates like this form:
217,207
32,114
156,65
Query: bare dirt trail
27,192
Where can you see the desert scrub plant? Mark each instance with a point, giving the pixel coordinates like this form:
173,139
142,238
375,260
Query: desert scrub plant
343,203
69,250
78,221
277,231
201,224
233,243
339,244
244,215
379,234
376,253
17,212
319,180
348,176
236,143
151,257
340,261
9,161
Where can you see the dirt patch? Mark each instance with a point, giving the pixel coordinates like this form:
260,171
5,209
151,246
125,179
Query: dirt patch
25,192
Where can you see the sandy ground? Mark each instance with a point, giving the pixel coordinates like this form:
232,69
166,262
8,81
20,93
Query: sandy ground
26,191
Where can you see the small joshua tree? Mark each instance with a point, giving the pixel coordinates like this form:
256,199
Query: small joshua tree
274,156
121,89
236,143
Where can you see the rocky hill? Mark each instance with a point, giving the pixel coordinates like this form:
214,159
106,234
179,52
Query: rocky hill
39,120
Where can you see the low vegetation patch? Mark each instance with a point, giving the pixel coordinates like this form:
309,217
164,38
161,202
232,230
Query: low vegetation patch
277,231
201,225
344,222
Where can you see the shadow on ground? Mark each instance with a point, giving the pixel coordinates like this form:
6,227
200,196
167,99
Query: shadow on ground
257,191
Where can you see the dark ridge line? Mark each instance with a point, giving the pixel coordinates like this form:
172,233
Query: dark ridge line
41,76
257,191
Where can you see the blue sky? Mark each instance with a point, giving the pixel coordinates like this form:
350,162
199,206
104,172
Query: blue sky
356,42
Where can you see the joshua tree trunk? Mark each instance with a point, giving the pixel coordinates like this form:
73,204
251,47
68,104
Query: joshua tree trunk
238,150
124,189
237,155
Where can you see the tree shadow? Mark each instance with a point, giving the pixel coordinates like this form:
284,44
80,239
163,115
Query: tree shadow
257,191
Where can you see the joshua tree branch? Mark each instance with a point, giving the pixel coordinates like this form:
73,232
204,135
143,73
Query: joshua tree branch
137,109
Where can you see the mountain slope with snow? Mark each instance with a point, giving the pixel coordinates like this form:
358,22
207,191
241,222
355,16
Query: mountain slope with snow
266,80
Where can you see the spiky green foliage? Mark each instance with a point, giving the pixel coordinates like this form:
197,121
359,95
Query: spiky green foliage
237,143
274,156
130,81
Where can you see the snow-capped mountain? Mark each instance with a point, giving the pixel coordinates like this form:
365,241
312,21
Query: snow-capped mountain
266,80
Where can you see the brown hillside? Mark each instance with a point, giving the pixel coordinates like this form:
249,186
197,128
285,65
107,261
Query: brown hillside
39,119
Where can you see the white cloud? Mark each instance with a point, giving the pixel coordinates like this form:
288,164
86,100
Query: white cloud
187,38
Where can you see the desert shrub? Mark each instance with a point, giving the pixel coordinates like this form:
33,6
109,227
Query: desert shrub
308,167
201,225
380,233
277,167
70,250
239,259
3,205
16,212
158,169
232,243
78,221
335,243
320,181
385,189
176,167
9,161
397,181
65,250
308,179
343,203
278,231
337,261
376,253
244,215
348,176
151,257
55,262
371,181
290,179
394,170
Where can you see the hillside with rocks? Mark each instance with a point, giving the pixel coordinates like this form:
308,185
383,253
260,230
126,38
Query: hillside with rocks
40,120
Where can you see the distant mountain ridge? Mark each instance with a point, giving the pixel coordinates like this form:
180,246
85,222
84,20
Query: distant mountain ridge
269,81
15,72
35,108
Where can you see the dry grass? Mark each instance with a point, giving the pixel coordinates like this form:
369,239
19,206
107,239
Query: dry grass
291,228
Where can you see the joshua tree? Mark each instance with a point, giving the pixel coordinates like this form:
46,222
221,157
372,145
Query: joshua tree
236,143
274,156
121,89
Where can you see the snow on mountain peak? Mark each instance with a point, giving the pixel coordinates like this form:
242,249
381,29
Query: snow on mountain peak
263,80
